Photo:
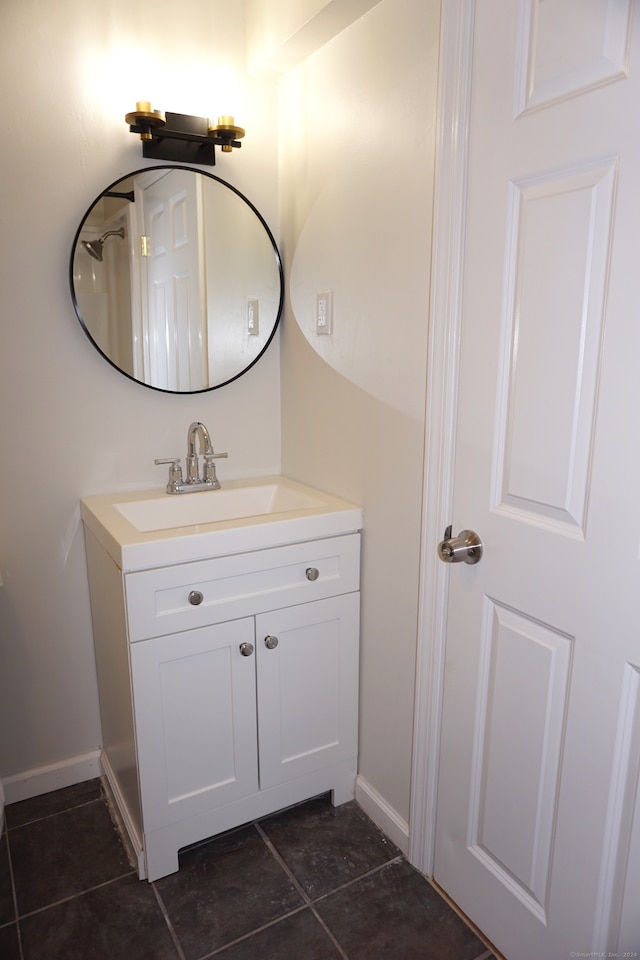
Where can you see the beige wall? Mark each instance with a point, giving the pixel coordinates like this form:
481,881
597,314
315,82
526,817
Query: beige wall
356,148
71,425
357,152
281,33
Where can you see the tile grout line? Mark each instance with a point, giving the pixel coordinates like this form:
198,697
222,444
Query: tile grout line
362,876
48,816
312,902
343,886
14,894
18,916
490,953
252,933
74,896
167,920
329,932
274,853
487,954
308,901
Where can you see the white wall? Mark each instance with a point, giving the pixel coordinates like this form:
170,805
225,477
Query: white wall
357,154
70,424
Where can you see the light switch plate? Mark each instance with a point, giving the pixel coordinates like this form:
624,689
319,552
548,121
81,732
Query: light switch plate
324,313
253,318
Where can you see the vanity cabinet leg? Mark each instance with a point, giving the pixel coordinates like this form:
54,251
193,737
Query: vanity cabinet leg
161,856
343,788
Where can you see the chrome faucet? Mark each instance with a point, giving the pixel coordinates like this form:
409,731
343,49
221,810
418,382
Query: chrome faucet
194,482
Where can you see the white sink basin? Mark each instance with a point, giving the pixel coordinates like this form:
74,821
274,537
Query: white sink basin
151,528
212,506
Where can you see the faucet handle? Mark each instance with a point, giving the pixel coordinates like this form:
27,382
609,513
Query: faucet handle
175,472
210,468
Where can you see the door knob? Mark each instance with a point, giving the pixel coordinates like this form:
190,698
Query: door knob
467,547
271,642
246,649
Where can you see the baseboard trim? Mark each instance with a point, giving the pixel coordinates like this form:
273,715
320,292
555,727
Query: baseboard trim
65,773
382,814
122,818
51,776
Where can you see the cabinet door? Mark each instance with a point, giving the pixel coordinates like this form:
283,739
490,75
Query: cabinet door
307,687
195,716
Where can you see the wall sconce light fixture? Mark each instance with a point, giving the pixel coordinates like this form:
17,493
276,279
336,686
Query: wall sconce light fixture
181,137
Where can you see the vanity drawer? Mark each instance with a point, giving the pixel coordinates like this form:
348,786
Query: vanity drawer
171,599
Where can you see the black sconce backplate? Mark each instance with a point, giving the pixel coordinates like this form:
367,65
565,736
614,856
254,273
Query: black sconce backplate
183,139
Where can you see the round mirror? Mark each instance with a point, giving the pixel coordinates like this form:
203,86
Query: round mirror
176,279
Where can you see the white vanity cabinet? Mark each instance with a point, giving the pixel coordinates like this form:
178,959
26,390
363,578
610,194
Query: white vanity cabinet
241,676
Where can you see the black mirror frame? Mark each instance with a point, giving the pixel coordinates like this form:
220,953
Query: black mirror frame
276,252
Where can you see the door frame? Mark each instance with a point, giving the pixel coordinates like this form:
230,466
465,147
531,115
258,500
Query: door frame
445,318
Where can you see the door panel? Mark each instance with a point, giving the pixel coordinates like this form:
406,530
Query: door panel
523,687
550,68
195,715
559,226
538,820
307,687
620,877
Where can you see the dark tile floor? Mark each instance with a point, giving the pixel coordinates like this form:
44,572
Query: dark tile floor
311,883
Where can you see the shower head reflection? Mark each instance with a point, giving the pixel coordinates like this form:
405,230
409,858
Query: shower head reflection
95,248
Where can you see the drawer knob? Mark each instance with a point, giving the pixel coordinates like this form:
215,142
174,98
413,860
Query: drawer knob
195,598
312,573
246,649
271,643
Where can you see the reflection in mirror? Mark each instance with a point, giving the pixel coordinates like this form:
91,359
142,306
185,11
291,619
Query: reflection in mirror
176,279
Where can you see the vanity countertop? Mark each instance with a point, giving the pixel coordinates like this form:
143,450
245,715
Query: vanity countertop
141,529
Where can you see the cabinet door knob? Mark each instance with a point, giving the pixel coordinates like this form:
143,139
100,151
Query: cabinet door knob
271,643
195,598
312,573
246,649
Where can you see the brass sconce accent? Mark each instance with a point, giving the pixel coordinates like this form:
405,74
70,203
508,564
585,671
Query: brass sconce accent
145,120
225,133
181,137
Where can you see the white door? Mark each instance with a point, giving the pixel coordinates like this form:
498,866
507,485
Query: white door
538,814
174,307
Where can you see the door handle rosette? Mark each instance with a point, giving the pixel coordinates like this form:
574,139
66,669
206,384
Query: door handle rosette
466,547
